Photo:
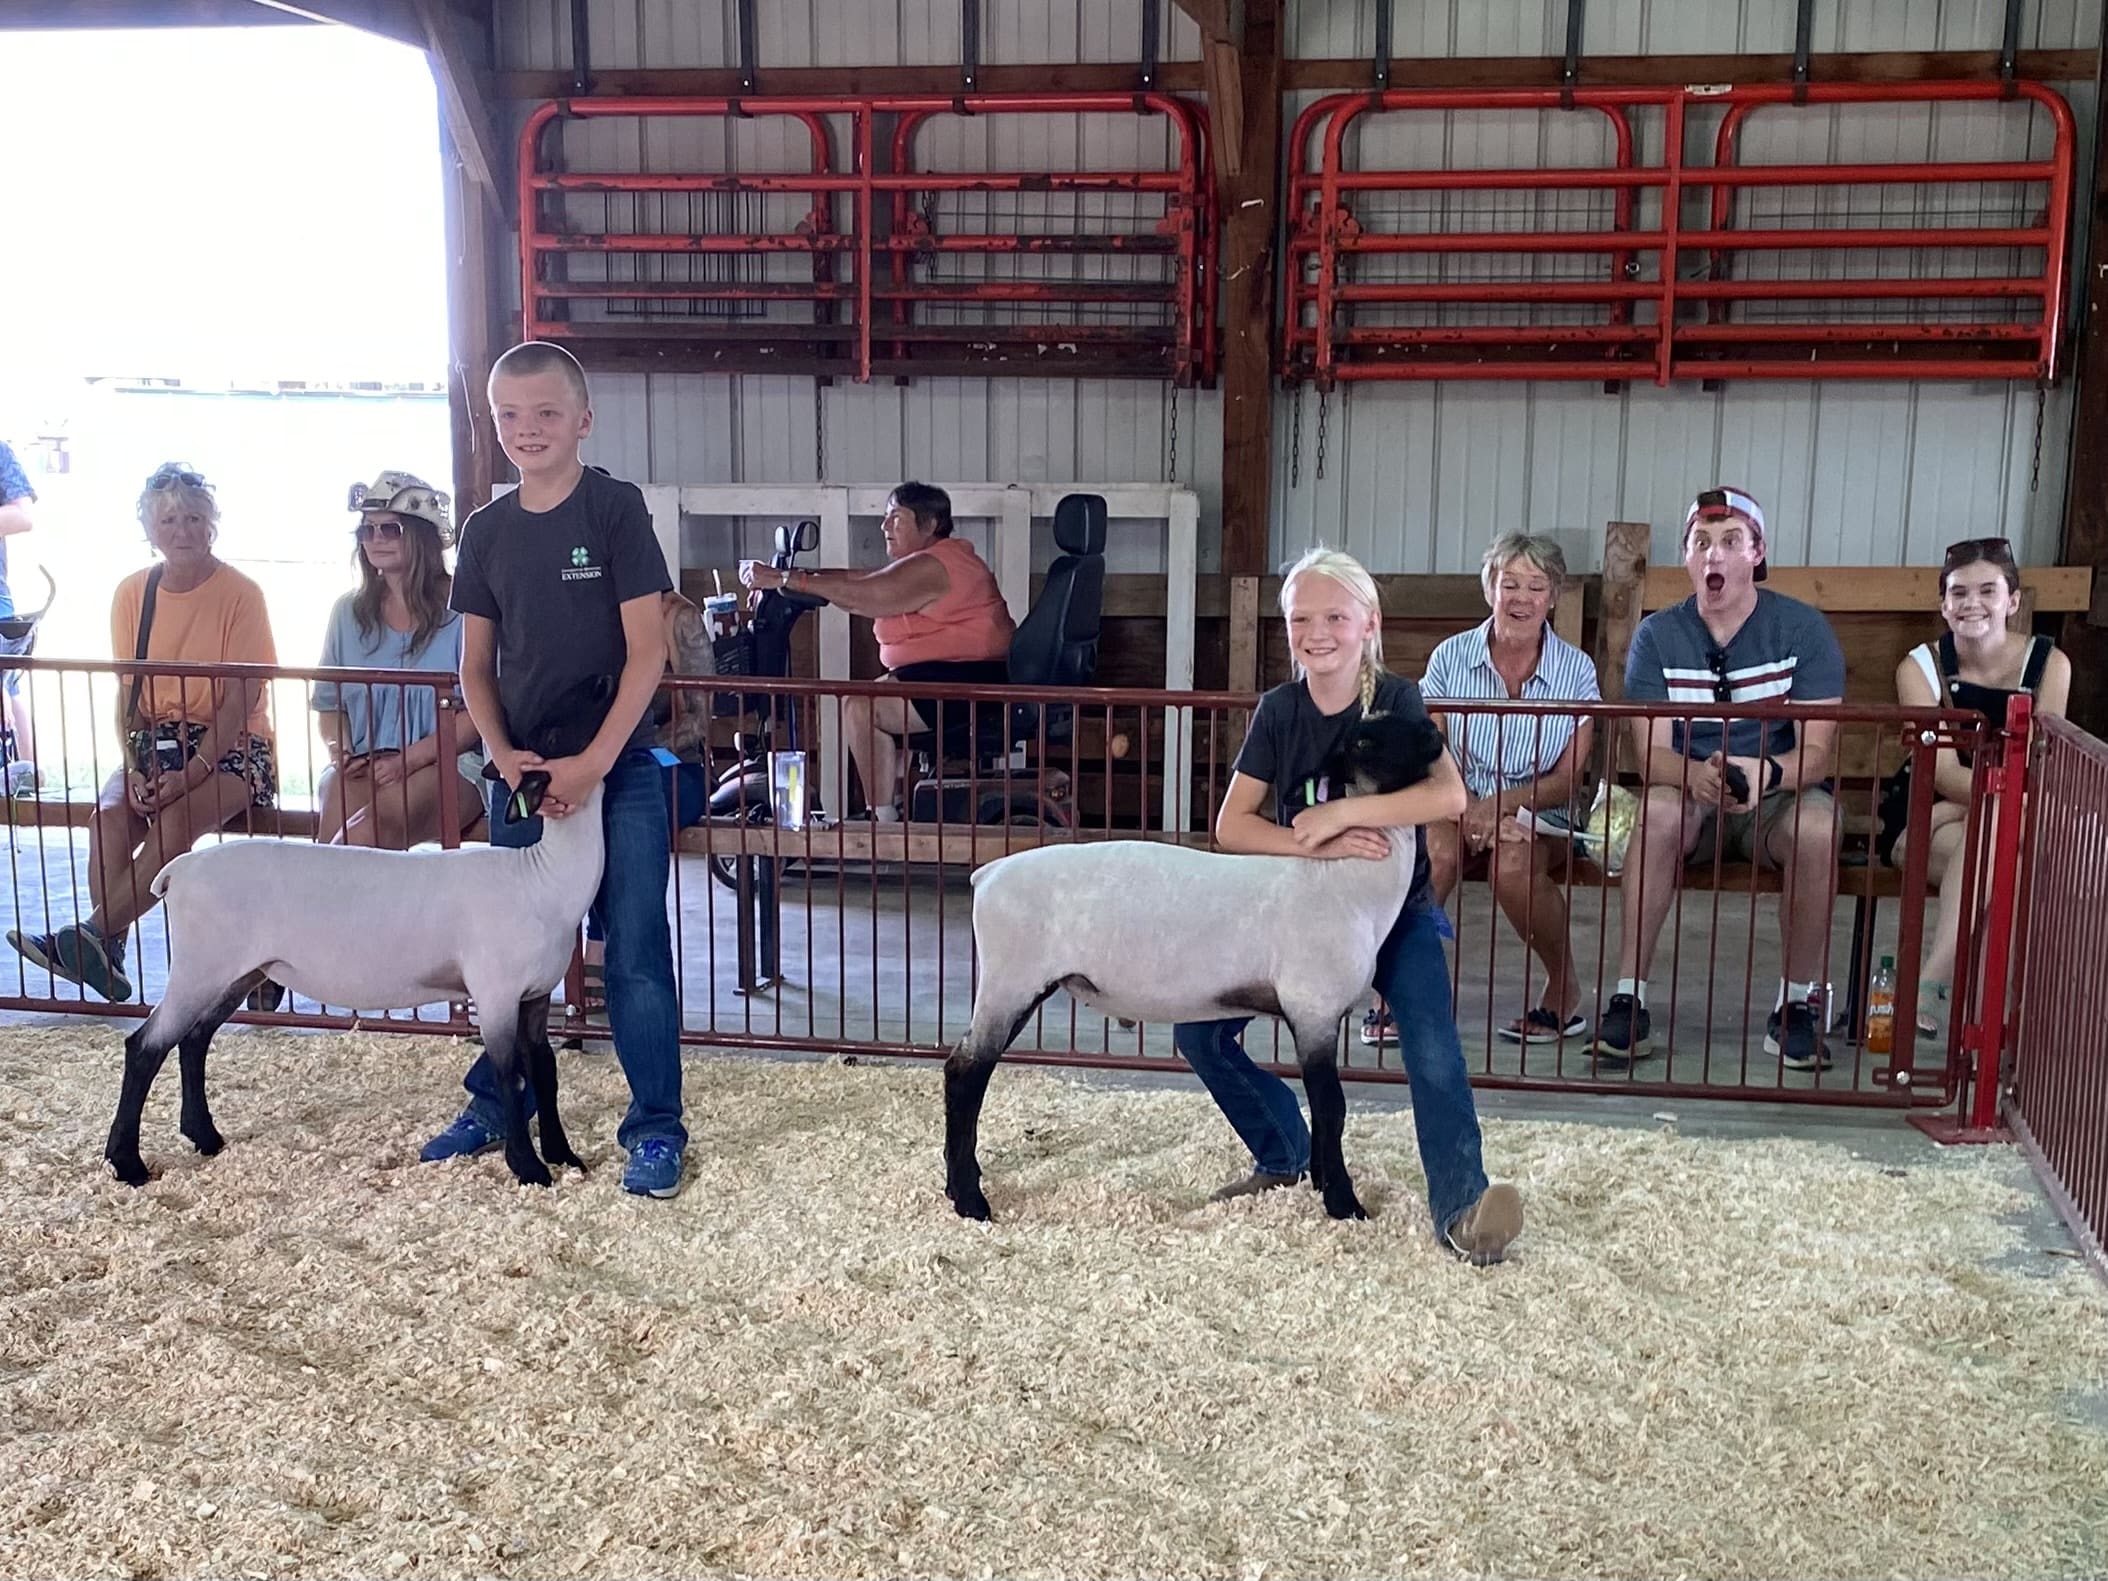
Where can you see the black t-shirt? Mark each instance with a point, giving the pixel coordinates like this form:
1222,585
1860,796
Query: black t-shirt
1290,742
555,582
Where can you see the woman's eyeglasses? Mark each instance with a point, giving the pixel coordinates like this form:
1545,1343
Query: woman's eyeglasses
368,530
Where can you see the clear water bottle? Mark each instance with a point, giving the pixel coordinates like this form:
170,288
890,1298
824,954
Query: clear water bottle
1881,1009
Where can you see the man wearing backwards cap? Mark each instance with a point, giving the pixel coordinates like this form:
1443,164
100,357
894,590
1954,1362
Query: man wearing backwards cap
1756,785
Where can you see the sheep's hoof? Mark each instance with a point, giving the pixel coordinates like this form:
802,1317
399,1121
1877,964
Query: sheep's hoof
130,1168
533,1173
968,1202
564,1158
1343,1204
206,1139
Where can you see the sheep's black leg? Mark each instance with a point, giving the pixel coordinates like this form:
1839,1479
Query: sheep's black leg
540,1057
966,1076
500,1019
144,1051
1328,1124
196,1123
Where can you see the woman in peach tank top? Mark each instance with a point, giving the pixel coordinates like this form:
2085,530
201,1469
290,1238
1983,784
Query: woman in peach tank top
938,616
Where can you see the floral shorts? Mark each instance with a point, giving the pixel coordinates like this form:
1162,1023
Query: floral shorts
173,746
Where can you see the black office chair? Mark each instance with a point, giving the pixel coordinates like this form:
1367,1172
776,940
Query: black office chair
1055,645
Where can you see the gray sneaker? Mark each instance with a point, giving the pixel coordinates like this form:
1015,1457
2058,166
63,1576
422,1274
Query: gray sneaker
1482,1232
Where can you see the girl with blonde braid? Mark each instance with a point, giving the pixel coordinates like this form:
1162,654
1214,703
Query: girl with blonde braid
1278,804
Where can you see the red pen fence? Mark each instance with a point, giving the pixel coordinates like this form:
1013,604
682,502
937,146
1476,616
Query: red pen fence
2057,1100
829,235
1650,262
849,935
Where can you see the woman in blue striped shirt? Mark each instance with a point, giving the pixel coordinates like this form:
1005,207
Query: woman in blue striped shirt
1513,761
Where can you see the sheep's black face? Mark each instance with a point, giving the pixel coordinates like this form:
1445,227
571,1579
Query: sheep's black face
569,728
1385,753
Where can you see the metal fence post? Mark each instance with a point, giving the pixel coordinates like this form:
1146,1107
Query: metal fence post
1983,1039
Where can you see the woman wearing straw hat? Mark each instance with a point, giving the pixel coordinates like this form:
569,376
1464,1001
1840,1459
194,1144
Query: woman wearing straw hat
382,784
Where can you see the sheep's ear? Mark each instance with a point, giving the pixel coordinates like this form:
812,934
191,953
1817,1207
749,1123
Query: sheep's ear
526,801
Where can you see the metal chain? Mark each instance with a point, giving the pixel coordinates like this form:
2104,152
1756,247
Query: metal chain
1295,443
2034,477
1173,468
819,432
1324,405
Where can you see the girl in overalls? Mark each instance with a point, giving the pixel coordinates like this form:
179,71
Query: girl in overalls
1979,664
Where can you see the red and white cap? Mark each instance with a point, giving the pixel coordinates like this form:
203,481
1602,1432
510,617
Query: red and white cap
1723,502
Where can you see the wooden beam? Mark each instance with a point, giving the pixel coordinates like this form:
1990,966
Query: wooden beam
1222,19
1669,71
1251,211
1189,76
1221,70
2085,541
1244,633
472,329
389,18
466,105
1882,590
386,17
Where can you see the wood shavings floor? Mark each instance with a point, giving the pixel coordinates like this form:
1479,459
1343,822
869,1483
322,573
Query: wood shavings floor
312,1355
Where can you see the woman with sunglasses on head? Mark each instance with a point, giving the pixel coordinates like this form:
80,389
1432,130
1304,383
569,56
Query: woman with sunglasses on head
198,753
1980,664
382,784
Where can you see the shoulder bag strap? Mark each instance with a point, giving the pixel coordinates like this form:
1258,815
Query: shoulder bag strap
146,626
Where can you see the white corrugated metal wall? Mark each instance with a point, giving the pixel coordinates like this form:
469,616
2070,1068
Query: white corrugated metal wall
1418,477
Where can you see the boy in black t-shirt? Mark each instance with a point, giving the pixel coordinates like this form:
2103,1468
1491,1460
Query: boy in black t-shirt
557,583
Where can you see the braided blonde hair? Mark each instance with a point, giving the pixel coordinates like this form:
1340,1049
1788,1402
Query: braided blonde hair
1351,575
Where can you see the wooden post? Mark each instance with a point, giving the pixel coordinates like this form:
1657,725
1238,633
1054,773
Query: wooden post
2085,636
1244,634
470,325
1625,546
1249,189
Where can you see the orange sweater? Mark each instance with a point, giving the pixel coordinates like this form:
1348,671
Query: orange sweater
969,624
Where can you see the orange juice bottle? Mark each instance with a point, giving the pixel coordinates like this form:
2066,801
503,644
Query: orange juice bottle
1881,1009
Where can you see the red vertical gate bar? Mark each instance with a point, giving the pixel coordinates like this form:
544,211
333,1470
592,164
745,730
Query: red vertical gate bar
1984,1037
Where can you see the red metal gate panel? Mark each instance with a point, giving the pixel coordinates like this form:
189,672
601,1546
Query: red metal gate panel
898,271
1667,275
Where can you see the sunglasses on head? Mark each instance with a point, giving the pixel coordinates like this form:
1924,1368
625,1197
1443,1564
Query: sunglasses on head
169,478
1998,551
368,530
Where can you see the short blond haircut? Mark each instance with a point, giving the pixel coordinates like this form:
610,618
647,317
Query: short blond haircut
1352,575
530,357
1542,552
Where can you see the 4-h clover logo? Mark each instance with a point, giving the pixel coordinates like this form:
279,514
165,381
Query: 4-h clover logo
578,555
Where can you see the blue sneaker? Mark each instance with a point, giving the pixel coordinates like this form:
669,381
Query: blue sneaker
467,1137
654,1169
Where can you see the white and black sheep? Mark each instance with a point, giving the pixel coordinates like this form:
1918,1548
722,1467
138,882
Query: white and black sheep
1145,931
382,930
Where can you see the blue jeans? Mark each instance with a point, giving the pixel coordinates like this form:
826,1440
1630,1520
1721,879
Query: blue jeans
631,910
689,787
1413,975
